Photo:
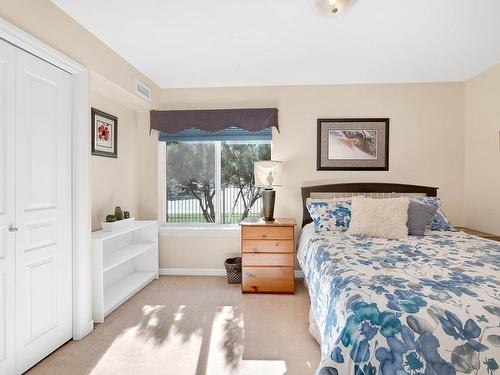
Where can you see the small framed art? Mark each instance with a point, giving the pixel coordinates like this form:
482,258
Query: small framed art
104,134
353,144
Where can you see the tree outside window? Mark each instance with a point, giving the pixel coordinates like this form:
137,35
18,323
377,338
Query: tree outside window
212,181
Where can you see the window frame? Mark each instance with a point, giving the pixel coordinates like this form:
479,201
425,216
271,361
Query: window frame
201,229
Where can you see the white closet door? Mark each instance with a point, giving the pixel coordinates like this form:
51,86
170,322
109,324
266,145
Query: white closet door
43,209
7,239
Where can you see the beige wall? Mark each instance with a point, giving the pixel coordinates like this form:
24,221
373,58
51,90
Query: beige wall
45,21
428,122
426,145
130,181
147,172
197,252
482,152
114,181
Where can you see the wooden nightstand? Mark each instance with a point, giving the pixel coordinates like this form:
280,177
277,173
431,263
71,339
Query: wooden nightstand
479,234
267,249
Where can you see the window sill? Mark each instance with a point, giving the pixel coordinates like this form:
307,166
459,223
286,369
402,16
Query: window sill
173,230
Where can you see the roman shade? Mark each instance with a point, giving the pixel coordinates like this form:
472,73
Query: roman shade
214,120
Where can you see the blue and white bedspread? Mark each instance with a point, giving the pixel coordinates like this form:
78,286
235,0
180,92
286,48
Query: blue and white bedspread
421,306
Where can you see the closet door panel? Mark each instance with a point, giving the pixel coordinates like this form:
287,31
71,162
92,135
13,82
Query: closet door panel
7,211
43,209
39,138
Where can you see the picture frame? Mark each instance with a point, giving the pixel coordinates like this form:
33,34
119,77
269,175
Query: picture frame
104,134
353,144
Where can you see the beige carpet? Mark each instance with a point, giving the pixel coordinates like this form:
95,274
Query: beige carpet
195,326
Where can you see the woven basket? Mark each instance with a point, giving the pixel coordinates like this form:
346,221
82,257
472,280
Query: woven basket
233,270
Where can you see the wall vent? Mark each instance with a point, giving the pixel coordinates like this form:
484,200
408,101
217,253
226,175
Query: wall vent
142,90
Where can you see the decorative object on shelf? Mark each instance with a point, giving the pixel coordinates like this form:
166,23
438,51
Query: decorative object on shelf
353,144
126,214
110,218
267,174
104,134
333,7
233,270
118,213
117,225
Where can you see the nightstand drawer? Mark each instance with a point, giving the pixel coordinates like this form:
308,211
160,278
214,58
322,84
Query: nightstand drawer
250,259
275,233
267,246
268,279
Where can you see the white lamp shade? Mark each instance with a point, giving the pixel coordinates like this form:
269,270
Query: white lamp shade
268,173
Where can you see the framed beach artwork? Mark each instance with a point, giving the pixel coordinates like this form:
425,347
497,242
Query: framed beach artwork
353,144
104,134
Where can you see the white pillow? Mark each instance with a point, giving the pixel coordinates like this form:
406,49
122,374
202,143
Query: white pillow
384,218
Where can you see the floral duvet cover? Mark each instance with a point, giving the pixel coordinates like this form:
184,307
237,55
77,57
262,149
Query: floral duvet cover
421,306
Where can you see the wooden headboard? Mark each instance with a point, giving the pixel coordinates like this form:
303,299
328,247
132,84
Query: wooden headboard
369,189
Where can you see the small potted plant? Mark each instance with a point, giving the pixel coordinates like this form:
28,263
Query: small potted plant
118,220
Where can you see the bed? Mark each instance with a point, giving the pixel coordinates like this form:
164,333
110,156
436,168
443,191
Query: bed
424,305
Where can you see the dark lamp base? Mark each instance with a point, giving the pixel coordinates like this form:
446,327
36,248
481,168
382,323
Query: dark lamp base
268,198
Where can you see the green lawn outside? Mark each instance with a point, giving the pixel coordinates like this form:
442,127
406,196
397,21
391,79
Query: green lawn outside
198,218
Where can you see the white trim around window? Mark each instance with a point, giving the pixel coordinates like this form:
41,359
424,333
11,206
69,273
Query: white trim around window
172,229
188,229
218,179
162,181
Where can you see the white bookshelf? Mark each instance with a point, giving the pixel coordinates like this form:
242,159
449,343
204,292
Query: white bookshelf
124,261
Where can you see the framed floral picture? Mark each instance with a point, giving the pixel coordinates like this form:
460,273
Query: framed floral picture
104,134
353,144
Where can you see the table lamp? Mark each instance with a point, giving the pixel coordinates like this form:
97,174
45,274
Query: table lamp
267,174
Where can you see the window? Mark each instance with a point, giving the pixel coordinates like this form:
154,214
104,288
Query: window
209,177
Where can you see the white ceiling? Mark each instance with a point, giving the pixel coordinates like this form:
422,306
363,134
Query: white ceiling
200,43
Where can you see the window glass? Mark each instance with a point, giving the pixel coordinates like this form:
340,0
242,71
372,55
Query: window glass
198,191
240,198
190,182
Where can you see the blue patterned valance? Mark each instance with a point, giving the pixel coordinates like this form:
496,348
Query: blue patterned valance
229,134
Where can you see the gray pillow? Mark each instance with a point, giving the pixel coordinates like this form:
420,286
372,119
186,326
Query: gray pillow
419,216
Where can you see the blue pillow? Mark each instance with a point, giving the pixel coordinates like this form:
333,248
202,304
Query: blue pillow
439,220
330,215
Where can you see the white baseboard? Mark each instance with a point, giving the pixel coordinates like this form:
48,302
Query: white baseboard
192,272
205,272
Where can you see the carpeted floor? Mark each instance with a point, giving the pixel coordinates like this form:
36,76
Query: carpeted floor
183,325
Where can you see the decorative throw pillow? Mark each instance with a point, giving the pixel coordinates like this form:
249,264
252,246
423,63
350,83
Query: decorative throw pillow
439,220
330,214
419,216
384,218
326,200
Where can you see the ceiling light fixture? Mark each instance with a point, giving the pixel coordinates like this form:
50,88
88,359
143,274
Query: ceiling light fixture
333,7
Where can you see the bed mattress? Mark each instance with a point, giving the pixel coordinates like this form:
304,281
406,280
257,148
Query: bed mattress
424,305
